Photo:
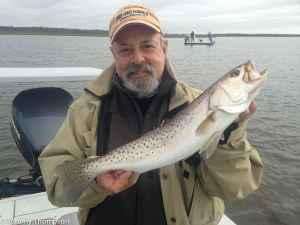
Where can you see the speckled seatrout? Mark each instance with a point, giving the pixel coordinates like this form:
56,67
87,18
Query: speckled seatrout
198,127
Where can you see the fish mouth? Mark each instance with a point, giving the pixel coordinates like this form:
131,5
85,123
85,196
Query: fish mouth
264,73
250,65
259,82
251,76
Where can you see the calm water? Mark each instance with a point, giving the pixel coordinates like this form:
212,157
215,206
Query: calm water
273,130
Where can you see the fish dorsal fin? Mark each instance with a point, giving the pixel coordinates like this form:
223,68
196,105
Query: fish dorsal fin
206,125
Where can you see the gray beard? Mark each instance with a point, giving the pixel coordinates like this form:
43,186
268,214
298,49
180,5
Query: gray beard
142,86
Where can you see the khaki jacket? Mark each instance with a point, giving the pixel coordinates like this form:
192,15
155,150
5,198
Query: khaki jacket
232,172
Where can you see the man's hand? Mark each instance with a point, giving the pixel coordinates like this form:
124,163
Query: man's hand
246,115
115,181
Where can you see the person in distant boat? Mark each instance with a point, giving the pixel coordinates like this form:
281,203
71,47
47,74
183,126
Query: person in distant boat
186,39
138,92
192,37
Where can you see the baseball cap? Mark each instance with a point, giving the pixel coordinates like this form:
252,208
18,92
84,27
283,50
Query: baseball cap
133,14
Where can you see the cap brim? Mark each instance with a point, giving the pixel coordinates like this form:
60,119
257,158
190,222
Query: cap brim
132,22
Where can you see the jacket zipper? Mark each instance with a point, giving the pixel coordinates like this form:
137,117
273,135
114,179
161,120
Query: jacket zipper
192,198
101,107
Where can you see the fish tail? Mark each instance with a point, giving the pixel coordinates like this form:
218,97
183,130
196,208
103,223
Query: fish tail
75,177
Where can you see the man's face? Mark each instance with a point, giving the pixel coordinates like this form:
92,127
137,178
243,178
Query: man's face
139,56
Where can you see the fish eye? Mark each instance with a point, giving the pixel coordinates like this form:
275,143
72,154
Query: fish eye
235,73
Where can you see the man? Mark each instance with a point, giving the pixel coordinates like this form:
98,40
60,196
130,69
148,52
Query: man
192,36
134,95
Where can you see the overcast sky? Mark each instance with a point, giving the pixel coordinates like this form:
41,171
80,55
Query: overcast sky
176,16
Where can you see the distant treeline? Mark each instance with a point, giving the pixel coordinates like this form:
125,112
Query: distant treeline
50,30
96,32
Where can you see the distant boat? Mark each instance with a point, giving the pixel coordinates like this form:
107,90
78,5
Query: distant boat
200,41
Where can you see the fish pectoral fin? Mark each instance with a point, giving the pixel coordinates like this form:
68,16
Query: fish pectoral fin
206,125
210,146
222,137
133,175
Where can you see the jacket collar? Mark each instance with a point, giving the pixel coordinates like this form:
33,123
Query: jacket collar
102,85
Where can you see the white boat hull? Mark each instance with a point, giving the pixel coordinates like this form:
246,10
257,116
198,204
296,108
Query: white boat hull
36,209
8,75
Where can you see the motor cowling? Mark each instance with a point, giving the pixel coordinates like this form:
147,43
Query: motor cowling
37,115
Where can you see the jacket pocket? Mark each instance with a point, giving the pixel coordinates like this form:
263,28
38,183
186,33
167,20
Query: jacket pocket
87,148
186,174
205,209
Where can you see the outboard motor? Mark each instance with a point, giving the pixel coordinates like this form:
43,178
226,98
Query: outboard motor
37,115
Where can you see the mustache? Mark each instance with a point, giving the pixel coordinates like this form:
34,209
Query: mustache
135,68
141,86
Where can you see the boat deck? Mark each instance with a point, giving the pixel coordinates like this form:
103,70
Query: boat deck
36,209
